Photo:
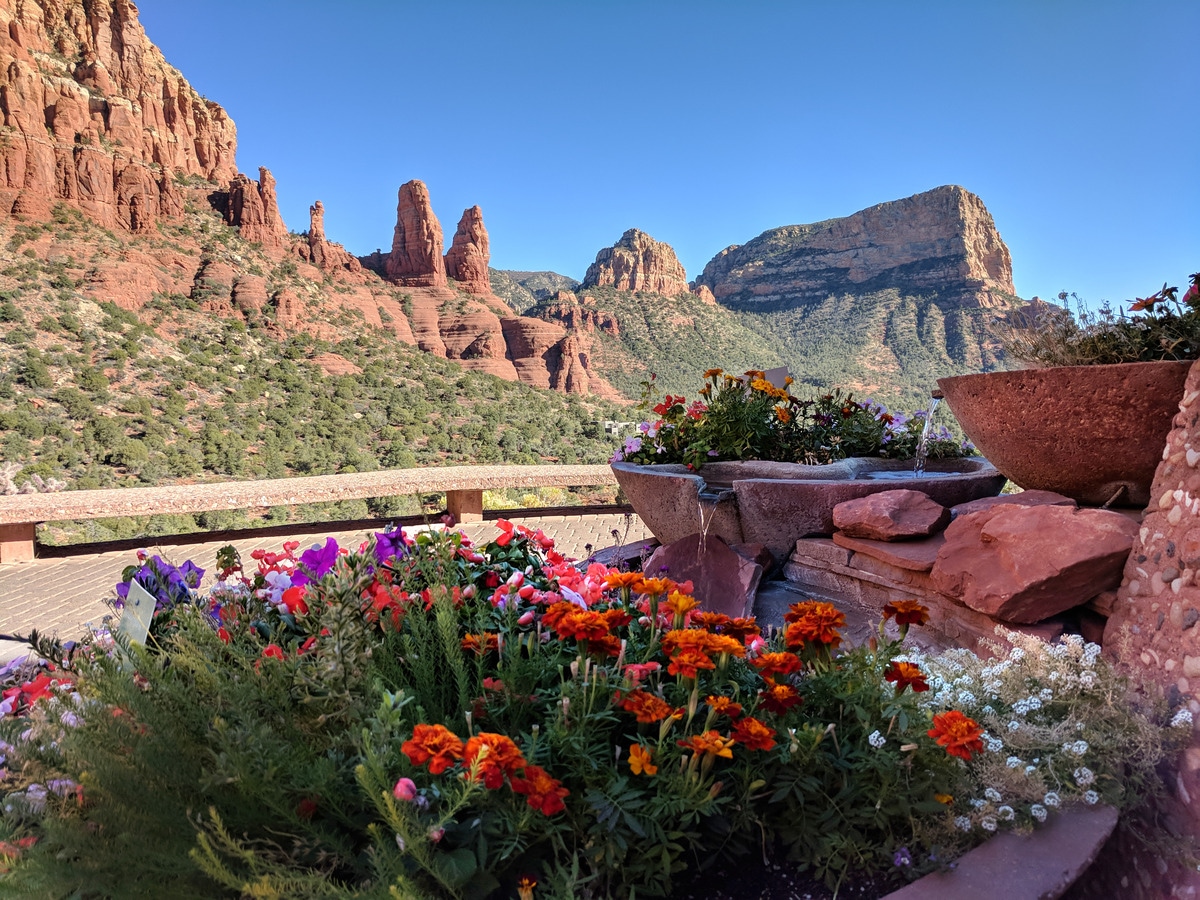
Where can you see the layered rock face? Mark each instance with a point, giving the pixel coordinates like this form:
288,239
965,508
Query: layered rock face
637,262
467,261
942,241
97,118
416,257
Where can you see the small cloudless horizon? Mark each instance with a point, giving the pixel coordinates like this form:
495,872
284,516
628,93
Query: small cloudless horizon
706,123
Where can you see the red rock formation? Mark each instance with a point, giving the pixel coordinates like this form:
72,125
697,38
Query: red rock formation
467,261
534,347
106,132
416,257
705,295
322,253
567,309
253,208
942,241
637,262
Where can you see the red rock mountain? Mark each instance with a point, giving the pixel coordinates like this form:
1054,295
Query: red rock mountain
96,119
637,262
943,241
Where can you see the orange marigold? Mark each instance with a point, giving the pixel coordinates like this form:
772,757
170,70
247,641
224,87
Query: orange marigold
645,706
582,624
480,644
542,792
906,674
906,612
772,664
493,756
711,743
961,735
741,628
687,661
710,621
724,706
814,622
753,734
435,744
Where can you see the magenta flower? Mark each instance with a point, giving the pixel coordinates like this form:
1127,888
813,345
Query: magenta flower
316,562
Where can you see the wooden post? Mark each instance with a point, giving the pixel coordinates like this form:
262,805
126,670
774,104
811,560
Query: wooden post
16,542
465,506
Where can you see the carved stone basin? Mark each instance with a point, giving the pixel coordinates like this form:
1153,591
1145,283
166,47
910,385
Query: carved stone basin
776,504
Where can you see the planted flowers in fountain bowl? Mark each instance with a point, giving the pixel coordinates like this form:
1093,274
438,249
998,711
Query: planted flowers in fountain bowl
1090,417
749,462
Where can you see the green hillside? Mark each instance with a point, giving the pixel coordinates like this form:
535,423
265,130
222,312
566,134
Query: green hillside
99,396
676,338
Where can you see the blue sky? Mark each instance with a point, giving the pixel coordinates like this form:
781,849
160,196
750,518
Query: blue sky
706,123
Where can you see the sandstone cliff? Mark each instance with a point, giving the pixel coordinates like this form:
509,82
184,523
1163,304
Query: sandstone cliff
941,242
637,262
94,116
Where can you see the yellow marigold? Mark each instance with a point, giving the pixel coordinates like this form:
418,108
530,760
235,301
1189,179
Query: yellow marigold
681,604
782,414
714,373
654,585
617,580
639,760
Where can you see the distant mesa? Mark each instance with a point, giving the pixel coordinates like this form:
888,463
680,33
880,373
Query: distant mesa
637,262
941,242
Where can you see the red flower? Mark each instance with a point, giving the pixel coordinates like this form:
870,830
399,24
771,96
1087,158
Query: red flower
223,635
506,532
306,808
778,698
646,707
753,734
436,744
906,674
307,645
907,612
725,706
273,651
293,600
959,734
542,792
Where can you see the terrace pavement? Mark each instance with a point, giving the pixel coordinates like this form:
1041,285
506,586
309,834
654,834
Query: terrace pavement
61,594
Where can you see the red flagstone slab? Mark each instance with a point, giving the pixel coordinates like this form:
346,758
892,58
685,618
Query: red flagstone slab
1023,498
917,556
891,516
724,580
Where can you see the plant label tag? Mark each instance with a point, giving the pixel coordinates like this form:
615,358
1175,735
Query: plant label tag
137,613
777,378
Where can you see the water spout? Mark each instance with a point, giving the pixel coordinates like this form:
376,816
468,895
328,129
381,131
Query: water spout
923,445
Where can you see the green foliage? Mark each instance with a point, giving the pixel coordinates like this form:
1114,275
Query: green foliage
1166,328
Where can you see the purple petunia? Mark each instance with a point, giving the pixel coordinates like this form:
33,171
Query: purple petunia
316,562
389,545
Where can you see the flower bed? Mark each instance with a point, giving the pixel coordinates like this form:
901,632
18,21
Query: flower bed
747,417
421,717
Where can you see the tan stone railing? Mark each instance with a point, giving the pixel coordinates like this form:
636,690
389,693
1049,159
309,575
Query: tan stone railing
463,485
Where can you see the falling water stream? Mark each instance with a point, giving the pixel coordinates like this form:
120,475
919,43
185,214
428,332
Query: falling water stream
923,445
709,499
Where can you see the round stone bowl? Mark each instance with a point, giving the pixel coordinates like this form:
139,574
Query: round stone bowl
1090,432
776,504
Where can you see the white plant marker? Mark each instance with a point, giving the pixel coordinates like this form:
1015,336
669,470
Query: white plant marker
137,613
